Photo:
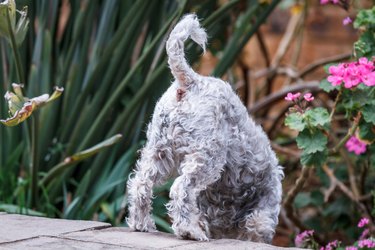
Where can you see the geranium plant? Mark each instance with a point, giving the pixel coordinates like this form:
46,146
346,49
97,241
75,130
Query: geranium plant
324,149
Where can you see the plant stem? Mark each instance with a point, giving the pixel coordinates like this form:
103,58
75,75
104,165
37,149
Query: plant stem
17,57
351,131
291,195
335,104
34,162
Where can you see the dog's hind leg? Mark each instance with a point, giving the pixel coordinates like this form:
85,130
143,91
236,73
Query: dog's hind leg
261,222
198,171
152,169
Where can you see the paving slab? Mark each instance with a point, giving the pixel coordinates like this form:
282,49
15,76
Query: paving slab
14,227
158,240
125,237
55,243
28,232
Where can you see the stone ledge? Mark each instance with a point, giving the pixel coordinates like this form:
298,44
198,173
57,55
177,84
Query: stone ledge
14,227
27,232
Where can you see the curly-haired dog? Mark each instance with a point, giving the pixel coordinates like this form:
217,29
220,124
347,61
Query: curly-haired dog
229,183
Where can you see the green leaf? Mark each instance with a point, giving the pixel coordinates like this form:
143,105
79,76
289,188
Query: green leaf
327,86
369,113
21,26
7,8
366,131
338,207
302,199
365,18
371,150
80,156
317,198
13,209
311,141
365,45
316,159
356,99
295,121
318,117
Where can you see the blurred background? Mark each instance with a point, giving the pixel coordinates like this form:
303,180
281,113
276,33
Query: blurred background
109,56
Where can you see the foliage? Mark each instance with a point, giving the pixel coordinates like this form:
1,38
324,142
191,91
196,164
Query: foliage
109,58
326,150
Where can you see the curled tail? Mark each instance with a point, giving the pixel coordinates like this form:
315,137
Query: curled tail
187,27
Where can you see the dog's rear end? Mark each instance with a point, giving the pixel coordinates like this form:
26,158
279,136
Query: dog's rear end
229,183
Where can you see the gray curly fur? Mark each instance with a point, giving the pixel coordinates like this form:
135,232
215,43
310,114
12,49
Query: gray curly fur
229,181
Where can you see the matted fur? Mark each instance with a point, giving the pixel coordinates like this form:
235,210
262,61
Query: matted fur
229,181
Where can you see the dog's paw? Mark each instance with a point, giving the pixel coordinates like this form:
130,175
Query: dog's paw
191,232
145,225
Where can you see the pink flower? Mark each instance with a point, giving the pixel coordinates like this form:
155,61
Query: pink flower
364,61
352,73
337,70
335,80
363,222
308,97
330,246
335,1
347,20
364,234
292,97
351,248
358,147
300,238
369,79
369,243
324,2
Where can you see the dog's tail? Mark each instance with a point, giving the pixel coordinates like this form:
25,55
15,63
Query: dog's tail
187,27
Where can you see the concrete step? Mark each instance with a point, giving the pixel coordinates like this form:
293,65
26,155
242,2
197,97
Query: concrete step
29,232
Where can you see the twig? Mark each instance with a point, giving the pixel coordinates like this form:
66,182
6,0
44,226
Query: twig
299,39
294,23
294,74
285,150
329,191
291,195
312,86
263,48
347,192
272,129
287,71
337,183
335,105
351,173
287,221
351,131
318,63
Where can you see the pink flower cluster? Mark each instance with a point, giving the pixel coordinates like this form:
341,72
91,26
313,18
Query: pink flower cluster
330,246
363,222
356,146
301,238
351,248
294,97
369,243
353,73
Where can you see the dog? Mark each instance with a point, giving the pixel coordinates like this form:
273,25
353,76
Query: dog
229,180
